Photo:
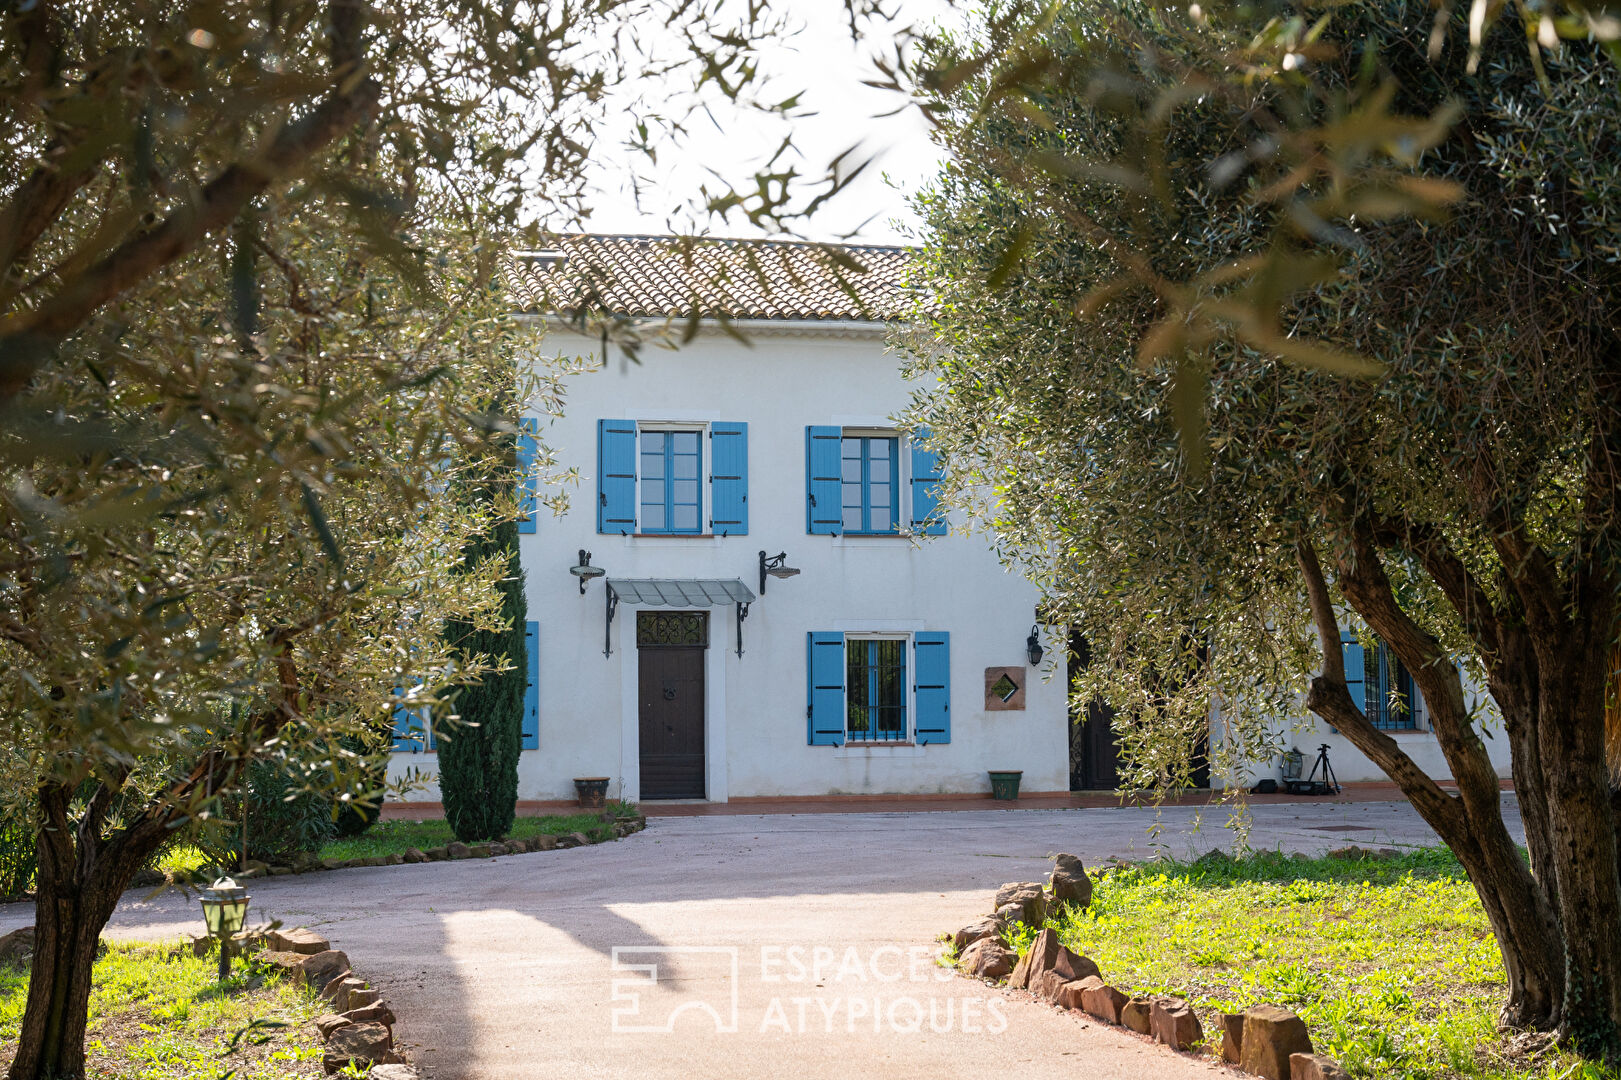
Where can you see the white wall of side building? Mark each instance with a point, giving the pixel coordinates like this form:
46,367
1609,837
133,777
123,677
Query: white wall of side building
755,737
1308,732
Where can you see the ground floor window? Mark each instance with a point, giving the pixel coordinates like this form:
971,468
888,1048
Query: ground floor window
875,694
1390,697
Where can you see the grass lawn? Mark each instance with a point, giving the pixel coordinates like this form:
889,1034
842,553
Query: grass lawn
1390,962
395,837
157,1013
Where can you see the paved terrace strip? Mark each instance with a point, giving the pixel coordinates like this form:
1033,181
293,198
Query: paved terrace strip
503,968
1360,791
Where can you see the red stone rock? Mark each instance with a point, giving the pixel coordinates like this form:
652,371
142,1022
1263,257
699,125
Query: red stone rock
1271,1035
299,940
1315,1067
329,1023
1232,1037
987,958
1073,994
1046,954
319,969
1137,1014
1104,1002
1174,1024
361,1044
971,933
377,1012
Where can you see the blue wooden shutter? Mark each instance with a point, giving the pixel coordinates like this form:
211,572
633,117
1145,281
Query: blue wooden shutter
402,728
932,693
729,479
616,476
824,687
411,731
528,436
927,517
1354,677
823,512
531,687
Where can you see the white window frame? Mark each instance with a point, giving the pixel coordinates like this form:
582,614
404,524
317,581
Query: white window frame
706,473
905,637
903,477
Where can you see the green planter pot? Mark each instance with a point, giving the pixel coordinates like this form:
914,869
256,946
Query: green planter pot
591,791
1005,784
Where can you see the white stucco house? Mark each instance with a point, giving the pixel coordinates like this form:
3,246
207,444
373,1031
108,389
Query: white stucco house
669,650
754,592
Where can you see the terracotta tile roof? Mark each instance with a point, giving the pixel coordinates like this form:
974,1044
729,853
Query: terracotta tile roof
667,276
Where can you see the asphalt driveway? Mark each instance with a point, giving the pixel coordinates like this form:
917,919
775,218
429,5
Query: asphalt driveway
780,946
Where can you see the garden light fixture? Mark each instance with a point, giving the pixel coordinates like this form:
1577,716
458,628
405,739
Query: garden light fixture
1032,647
775,566
585,571
225,910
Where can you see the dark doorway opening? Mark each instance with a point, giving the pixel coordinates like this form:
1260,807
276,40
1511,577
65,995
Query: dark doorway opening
1094,750
670,649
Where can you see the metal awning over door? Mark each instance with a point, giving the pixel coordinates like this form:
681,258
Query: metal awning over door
678,593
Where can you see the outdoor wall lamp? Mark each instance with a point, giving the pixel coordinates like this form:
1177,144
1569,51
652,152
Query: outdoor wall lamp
225,910
775,566
1032,647
585,571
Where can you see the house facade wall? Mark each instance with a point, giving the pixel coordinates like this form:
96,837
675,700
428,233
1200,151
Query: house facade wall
1308,732
756,739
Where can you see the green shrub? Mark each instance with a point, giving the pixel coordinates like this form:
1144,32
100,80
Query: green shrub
17,858
282,820
355,818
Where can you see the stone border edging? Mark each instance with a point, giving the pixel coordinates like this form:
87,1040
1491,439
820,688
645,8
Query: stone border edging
1266,1040
623,827
359,1029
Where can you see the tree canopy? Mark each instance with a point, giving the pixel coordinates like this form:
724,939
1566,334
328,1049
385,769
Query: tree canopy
1372,274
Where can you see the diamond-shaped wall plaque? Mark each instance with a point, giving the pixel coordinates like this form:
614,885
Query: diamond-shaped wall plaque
1004,688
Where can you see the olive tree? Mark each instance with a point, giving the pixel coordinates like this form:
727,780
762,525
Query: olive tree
249,254
1370,264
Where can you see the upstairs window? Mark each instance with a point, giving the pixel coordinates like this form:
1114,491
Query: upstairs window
869,484
651,478
875,702
671,481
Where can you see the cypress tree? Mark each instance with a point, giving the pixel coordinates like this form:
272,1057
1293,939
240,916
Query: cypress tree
478,762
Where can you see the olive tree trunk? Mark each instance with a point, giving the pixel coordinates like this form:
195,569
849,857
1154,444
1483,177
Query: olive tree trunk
80,879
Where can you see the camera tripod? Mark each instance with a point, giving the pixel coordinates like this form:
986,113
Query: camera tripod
1328,785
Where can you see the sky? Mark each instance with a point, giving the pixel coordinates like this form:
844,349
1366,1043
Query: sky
837,112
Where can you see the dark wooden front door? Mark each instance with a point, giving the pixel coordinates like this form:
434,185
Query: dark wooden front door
1094,755
671,708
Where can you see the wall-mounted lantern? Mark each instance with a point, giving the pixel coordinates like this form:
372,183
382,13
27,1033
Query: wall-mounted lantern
585,571
1032,647
775,566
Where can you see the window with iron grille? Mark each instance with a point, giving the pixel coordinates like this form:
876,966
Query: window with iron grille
1390,696
875,690
671,482
869,483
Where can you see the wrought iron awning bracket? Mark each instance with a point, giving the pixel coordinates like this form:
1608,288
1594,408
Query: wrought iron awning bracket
742,613
608,624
